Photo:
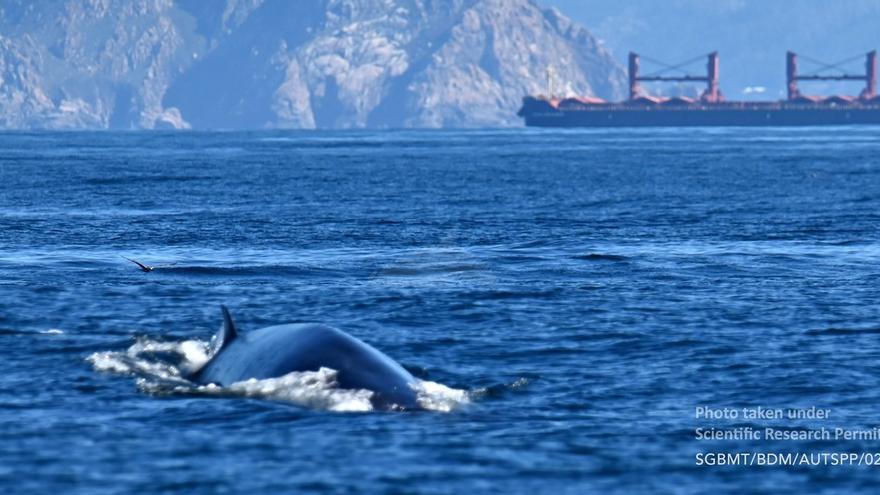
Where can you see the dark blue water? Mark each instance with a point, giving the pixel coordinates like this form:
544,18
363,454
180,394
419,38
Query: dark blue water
589,290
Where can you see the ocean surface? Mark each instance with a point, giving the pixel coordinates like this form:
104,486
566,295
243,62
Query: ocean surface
569,299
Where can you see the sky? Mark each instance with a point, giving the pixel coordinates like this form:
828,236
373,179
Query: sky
751,37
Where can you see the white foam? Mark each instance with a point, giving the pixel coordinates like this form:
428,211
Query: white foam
108,361
195,354
435,396
53,331
312,389
120,363
140,359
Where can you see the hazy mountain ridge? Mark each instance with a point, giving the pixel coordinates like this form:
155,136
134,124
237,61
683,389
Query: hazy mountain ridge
273,63
91,64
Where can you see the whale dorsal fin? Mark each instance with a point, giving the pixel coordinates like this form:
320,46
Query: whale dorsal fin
226,334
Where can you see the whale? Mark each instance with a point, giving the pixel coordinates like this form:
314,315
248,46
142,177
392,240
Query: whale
275,351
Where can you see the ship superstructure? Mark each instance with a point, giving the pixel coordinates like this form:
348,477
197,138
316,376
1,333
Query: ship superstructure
711,108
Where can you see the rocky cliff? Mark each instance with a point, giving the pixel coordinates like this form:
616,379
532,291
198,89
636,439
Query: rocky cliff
277,63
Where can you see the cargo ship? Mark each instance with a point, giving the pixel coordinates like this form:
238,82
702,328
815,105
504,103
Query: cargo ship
711,109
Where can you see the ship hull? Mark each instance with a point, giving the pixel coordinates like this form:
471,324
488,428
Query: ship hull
540,113
686,118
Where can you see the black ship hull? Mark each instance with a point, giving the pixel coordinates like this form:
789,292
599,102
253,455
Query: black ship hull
541,113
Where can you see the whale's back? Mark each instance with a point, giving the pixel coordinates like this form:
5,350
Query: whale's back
275,351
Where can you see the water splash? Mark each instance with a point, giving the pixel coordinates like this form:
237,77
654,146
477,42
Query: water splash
160,368
435,396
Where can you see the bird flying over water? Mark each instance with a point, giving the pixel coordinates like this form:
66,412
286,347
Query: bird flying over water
146,268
